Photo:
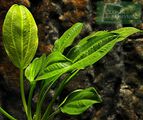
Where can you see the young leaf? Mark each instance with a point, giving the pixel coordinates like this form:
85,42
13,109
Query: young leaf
67,38
79,101
34,68
20,37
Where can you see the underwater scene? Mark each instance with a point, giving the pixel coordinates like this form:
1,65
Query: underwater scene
71,59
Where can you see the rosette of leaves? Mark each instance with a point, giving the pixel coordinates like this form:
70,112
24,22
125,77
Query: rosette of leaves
20,41
88,51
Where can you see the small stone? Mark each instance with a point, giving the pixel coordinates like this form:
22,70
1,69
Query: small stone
139,48
139,92
125,90
80,4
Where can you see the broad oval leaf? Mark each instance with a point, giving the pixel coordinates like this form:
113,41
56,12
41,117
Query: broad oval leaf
20,36
67,38
79,101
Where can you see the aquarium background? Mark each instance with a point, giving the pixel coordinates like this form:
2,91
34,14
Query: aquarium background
118,77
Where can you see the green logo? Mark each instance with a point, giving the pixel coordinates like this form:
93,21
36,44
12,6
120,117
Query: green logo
120,12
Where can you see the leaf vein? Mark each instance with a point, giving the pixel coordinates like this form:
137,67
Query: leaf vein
11,30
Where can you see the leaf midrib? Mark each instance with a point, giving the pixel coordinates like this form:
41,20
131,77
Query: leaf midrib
29,34
21,64
71,102
96,44
13,37
86,58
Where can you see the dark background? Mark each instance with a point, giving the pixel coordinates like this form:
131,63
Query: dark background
118,77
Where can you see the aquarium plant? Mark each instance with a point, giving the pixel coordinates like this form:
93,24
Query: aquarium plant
20,40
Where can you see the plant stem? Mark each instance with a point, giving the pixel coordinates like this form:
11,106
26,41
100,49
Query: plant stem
6,114
30,100
57,93
53,114
41,99
39,103
22,91
48,110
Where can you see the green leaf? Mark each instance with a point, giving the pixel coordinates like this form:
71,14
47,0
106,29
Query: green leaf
56,64
20,37
94,57
98,33
93,48
67,38
55,57
40,67
79,101
50,81
125,32
34,68
90,44
55,69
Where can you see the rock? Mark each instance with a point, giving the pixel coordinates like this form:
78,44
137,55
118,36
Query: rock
139,92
